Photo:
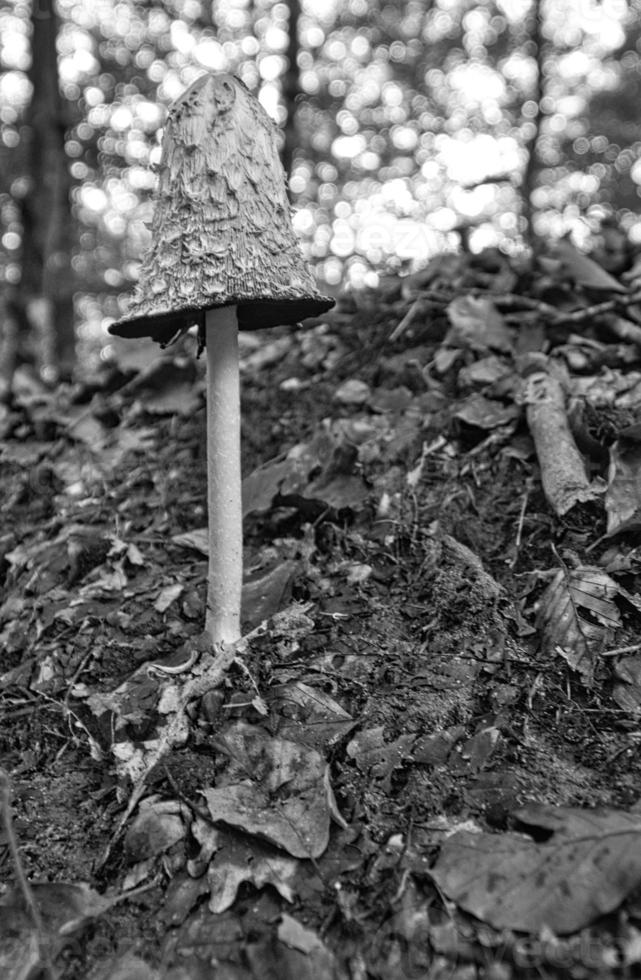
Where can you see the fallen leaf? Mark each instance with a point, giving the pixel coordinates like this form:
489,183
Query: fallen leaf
293,933
390,399
125,966
280,793
584,270
589,864
373,754
627,691
237,859
264,484
266,354
168,595
352,392
484,413
267,592
476,324
578,616
158,825
197,539
183,893
484,372
622,497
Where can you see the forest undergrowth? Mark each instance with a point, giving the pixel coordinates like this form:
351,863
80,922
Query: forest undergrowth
423,760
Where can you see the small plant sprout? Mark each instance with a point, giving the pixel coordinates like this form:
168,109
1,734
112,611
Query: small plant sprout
223,257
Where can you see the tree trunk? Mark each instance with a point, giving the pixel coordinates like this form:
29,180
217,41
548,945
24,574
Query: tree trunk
9,342
291,88
533,164
46,294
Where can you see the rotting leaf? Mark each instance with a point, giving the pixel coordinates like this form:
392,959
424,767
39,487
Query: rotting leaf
373,754
578,616
309,716
281,792
586,868
321,470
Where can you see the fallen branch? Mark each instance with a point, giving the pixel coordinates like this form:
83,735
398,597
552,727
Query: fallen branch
563,475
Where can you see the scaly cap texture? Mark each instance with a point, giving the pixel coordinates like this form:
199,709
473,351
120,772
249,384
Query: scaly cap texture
221,230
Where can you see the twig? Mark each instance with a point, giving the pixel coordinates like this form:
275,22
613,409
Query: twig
619,650
514,301
200,811
597,309
625,329
511,300
406,321
519,529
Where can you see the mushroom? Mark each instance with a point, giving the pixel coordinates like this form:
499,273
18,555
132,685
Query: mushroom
223,256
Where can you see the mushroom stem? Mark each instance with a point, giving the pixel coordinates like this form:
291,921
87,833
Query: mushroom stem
224,583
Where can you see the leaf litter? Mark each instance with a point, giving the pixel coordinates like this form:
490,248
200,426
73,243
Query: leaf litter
424,753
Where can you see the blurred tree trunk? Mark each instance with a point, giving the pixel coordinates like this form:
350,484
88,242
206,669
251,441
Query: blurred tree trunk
9,342
291,88
46,293
533,164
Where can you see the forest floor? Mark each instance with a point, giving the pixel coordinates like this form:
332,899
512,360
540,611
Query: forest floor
425,761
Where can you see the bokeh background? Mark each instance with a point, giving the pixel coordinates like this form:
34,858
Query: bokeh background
408,128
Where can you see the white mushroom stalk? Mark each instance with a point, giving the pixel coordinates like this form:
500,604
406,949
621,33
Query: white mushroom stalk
225,577
224,257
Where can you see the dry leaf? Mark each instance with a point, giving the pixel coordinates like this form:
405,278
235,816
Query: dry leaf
578,616
590,863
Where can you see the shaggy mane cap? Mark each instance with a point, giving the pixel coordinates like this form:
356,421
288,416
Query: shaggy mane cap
221,231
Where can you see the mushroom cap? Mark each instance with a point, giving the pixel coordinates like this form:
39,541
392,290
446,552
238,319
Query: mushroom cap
221,232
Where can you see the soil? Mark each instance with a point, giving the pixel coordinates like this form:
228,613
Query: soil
419,546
